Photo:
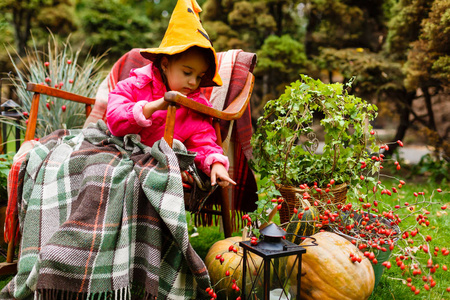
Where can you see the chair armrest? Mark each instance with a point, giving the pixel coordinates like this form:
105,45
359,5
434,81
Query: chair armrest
46,90
234,111
39,89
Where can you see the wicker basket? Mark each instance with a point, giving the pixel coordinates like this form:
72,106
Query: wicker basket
337,194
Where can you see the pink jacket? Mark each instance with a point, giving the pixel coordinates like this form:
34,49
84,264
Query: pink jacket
124,116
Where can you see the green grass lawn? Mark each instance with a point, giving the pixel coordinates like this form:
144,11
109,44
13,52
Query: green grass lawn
390,286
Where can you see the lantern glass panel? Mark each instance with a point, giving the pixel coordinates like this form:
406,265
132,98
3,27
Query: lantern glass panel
275,275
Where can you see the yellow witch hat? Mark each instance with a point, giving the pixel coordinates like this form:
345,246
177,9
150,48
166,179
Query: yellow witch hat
185,30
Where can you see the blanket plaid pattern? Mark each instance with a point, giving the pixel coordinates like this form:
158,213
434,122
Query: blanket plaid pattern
103,217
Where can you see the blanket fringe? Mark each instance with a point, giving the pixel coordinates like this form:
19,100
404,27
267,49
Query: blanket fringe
125,293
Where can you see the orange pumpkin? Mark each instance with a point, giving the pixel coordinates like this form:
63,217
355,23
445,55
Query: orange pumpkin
232,263
328,272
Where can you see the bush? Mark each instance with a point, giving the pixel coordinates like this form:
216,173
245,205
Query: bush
59,67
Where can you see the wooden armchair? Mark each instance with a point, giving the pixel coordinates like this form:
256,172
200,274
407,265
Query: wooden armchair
233,111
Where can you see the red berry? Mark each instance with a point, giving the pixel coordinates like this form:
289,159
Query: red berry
46,64
70,80
372,132
69,61
63,108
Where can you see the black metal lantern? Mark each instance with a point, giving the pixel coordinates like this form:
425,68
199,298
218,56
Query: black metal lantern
9,109
270,279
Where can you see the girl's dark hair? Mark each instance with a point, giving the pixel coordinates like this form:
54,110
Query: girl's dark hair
207,53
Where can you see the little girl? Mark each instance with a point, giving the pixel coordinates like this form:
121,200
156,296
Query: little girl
184,62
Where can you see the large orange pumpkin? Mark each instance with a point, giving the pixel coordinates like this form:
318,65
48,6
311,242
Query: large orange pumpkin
232,263
328,272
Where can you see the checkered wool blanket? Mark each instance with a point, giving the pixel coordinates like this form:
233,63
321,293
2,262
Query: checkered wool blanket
103,217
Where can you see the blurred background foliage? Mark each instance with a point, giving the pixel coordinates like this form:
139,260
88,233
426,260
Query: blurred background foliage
397,49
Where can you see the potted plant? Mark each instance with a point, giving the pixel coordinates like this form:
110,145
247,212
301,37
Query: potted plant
286,144
376,217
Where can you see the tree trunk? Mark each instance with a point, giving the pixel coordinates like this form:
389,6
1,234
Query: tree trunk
22,27
404,108
429,105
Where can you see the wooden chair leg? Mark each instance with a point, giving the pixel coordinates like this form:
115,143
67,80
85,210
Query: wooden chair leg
10,266
226,213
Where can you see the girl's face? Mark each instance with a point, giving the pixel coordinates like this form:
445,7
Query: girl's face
185,73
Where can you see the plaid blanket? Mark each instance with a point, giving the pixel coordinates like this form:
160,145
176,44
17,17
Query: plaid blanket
103,216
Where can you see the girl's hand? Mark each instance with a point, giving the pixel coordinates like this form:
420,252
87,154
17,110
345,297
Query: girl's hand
153,106
219,175
159,104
